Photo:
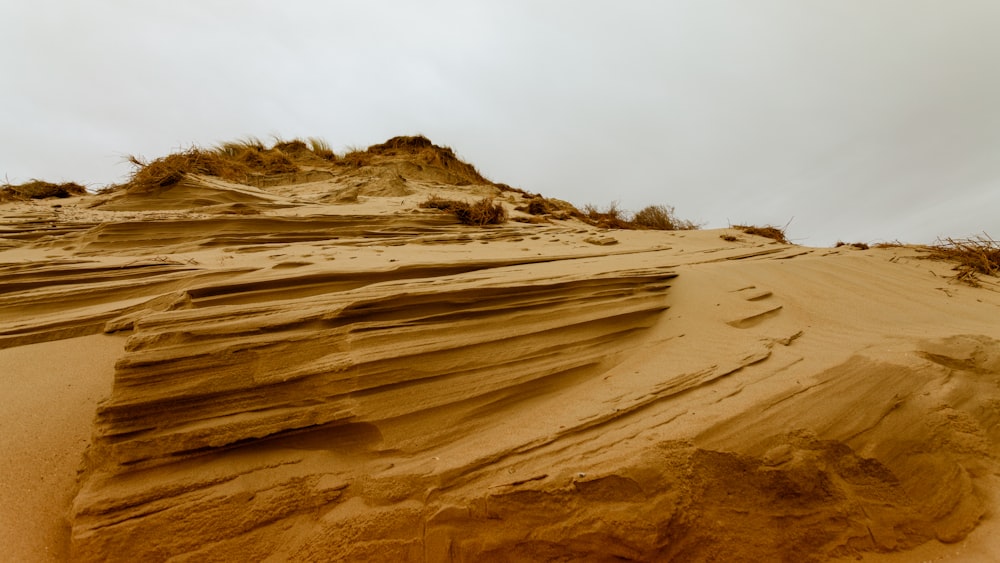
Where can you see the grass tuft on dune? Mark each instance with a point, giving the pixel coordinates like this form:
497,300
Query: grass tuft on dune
480,213
767,231
38,189
247,160
975,255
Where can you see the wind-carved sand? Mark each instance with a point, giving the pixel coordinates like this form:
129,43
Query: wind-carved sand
314,368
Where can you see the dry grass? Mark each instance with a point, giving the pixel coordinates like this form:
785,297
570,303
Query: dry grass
662,218
768,231
356,157
168,170
976,255
858,245
542,208
435,202
241,161
889,244
611,217
250,161
483,212
321,149
38,189
480,213
656,217
423,151
293,148
537,205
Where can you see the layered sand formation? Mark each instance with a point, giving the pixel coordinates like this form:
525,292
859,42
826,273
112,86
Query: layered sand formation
312,367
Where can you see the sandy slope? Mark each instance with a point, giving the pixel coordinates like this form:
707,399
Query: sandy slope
50,392
322,374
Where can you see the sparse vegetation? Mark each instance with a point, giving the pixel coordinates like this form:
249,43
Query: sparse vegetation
321,149
658,217
38,189
976,255
425,152
540,207
483,212
356,157
858,245
480,213
536,206
611,217
435,202
238,161
248,160
728,238
889,244
661,217
293,148
768,231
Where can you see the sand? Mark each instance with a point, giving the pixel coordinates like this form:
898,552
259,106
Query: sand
317,370
51,390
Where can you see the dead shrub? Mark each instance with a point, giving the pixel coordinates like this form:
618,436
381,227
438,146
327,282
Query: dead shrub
611,217
480,213
889,244
976,255
483,212
536,206
435,202
768,231
661,217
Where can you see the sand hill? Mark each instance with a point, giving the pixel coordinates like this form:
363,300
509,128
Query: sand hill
280,355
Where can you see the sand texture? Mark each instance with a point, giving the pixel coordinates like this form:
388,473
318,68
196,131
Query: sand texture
315,368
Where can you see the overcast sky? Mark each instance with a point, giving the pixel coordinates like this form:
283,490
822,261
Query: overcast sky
864,120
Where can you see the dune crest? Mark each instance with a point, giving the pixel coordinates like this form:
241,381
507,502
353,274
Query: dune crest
314,367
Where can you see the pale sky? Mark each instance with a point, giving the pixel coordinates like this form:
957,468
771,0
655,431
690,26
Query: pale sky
856,120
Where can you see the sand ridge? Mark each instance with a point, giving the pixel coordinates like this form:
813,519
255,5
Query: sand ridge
312,371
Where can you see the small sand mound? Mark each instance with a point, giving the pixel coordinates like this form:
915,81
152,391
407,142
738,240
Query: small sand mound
192,192
423,160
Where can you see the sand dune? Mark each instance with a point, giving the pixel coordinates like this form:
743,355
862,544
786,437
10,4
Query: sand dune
315,368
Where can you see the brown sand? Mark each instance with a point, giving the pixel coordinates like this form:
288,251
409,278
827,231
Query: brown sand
328,372
50,392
